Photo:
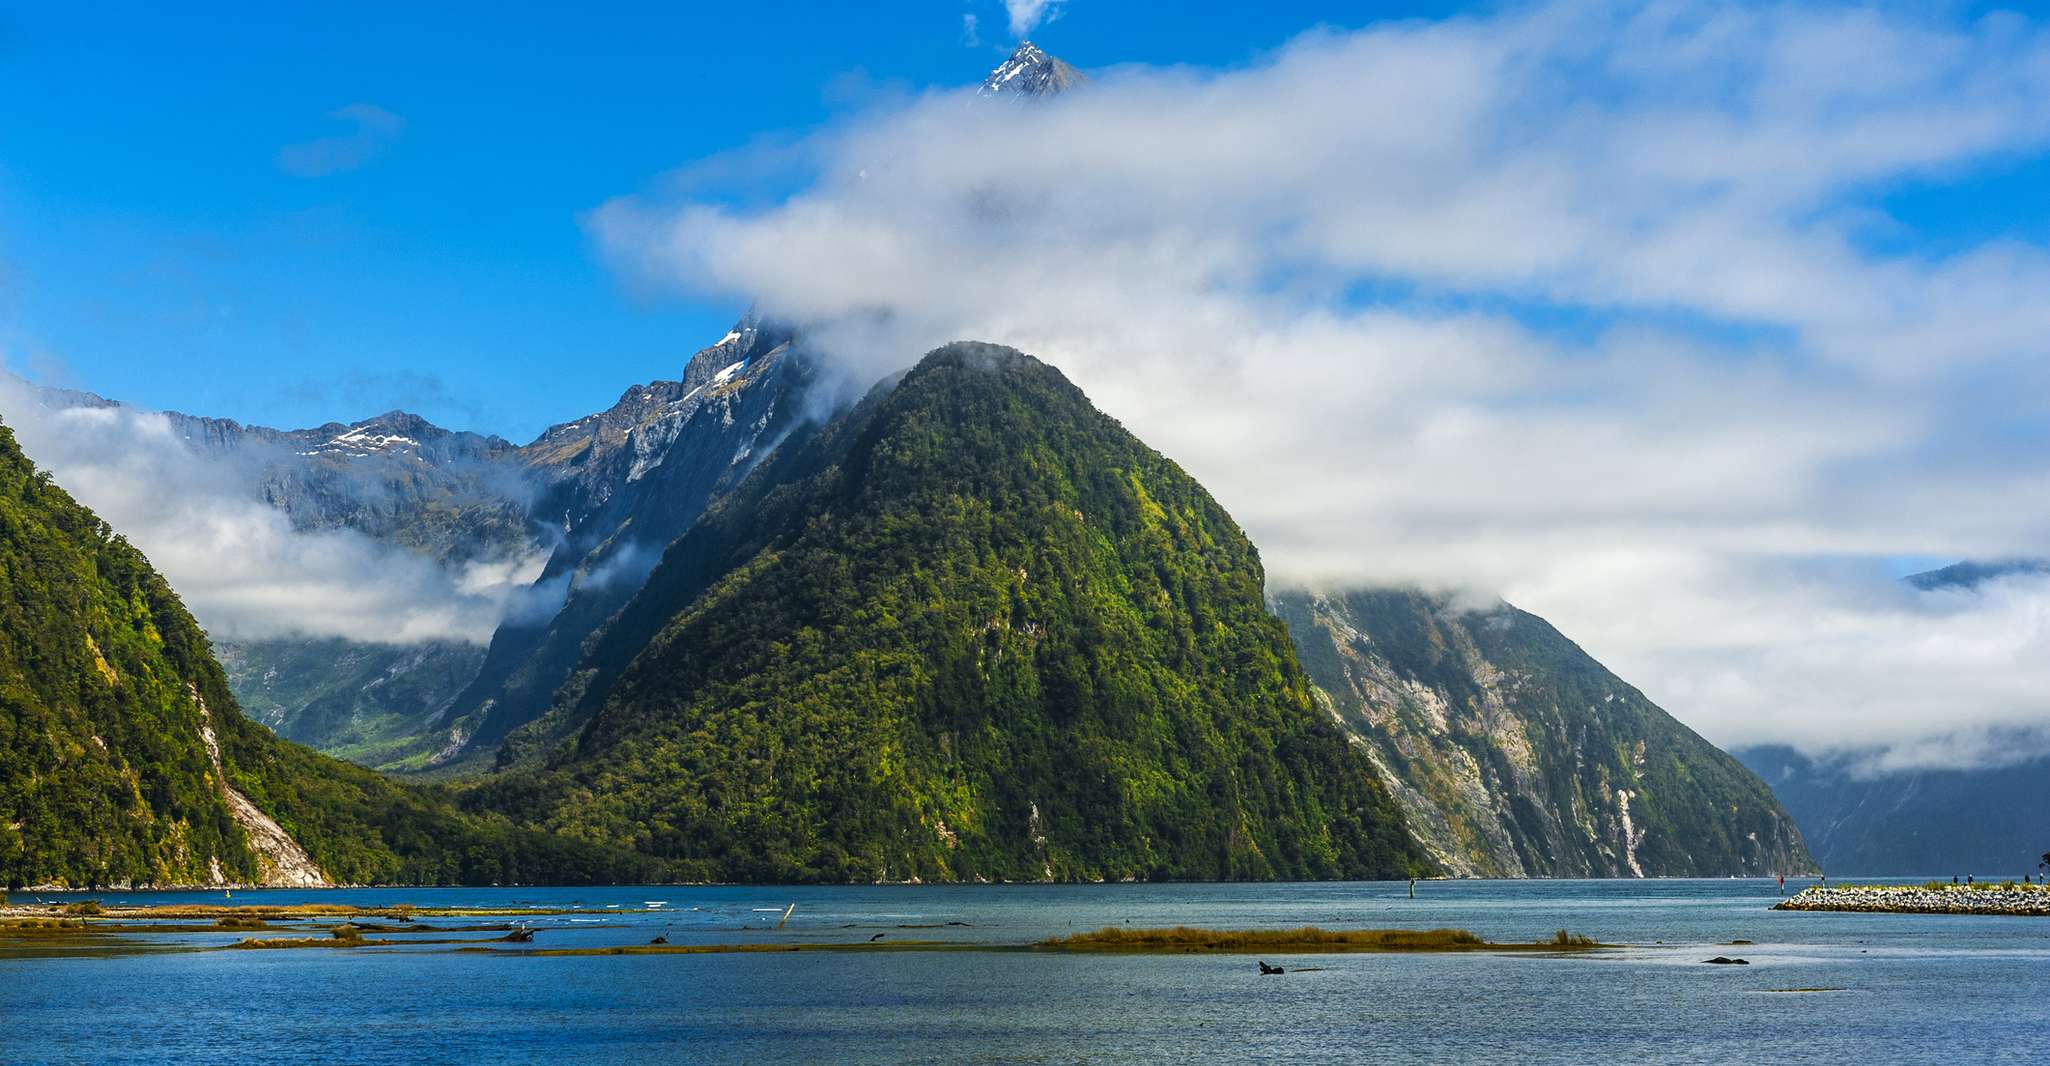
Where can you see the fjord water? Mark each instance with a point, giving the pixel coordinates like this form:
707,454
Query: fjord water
1912,987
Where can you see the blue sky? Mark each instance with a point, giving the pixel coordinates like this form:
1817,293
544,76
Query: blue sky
153,248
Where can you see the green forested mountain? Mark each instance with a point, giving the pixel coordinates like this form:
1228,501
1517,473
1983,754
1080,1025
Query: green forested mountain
124,759
972,629
1515,754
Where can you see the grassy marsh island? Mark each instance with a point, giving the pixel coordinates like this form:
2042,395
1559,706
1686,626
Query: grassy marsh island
1308,939
1934,897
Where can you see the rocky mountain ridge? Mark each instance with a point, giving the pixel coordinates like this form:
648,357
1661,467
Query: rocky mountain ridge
1514,754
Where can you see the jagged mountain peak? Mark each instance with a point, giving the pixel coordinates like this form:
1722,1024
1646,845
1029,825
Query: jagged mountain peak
1031,73
735,354
734,359
390,431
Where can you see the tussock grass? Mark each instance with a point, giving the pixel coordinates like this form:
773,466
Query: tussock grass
33,926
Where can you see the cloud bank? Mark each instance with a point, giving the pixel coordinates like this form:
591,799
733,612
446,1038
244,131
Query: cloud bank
1604,311
238,563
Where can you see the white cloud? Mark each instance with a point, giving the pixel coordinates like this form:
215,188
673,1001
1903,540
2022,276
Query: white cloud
1592,309
971,30
237,562
372,131
1029,15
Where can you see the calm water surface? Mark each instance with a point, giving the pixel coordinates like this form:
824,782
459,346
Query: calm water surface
1915,988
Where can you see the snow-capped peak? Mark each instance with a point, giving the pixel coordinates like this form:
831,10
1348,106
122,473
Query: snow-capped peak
1030,73
359,443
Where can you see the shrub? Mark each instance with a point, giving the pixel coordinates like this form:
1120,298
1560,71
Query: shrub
85,907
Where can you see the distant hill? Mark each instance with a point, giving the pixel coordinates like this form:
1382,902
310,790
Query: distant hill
972,629
1515,754
1972,574
1992,823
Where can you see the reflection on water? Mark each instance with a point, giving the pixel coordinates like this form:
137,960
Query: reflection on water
1900,987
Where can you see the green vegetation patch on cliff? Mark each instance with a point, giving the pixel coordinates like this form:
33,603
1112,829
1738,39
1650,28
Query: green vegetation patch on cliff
973,629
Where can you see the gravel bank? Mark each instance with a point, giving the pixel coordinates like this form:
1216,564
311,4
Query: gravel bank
1914,899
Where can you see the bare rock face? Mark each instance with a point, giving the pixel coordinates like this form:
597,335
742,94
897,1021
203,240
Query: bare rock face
279,858
284,863
1515,754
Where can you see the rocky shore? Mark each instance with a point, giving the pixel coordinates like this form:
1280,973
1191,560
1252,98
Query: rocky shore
1923,899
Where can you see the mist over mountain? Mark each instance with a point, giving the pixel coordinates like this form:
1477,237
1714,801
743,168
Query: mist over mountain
349,573
1863,810
127,762
387,530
